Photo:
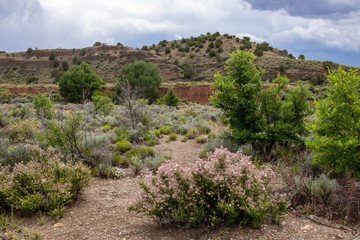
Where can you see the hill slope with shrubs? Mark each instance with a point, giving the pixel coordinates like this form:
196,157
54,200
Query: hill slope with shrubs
194,59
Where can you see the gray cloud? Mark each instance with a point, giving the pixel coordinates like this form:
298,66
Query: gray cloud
309,8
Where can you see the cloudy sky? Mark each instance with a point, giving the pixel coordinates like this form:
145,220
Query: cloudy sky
319,29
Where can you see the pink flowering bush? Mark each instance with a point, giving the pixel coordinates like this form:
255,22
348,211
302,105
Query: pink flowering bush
45,183
224,188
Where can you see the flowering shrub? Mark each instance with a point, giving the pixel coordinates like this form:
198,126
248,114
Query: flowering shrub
45,183
224,188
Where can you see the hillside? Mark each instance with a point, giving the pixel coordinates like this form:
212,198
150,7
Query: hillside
195,59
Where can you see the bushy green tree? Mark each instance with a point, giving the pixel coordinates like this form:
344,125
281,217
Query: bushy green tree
79,83
237,93
336,127
171,99
142,77
43,107
261,117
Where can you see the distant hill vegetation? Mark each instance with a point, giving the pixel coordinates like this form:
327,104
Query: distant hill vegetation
194,59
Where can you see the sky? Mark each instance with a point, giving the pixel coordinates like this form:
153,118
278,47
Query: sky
319,29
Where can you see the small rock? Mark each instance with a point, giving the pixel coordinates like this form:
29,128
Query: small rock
339,236
311,217
306,228
58,225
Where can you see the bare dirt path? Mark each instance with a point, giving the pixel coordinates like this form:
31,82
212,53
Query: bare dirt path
100,213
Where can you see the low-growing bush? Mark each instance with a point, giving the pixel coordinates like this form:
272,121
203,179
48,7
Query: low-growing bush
153,163
224,188
191,134
145,152
172,137
123,146
201,139
45,183
316,190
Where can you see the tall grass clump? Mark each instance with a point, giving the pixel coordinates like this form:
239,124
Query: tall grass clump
225,188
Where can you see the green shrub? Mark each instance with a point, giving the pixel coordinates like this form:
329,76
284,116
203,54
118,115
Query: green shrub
102,104
165,130
31,79
121,160
52,56
79,83
23,130
43,107
172,137
131,153
261,117
335,127
56,63
123,146
171,99
136,165
44,184
212,192
201,139
5,95
104,170
153,163
319,190
145,152
142,77
191,134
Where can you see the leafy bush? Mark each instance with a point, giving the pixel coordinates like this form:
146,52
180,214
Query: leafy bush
172,137
142,77
123,146
23,130
259,116
102,104
153,163
171,99
145,152
45,183
201,139
5,95
337,123
42,107
79,83
225,188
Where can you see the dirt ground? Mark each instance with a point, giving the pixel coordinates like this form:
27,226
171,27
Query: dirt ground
100,213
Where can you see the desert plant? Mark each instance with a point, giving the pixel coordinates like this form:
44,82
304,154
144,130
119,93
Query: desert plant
145,152
212,192
316,190
153,163
102,104
45,183
65,66
123,146
172,137
43,107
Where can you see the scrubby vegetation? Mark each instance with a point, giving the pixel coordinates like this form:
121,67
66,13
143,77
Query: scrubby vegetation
266,146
